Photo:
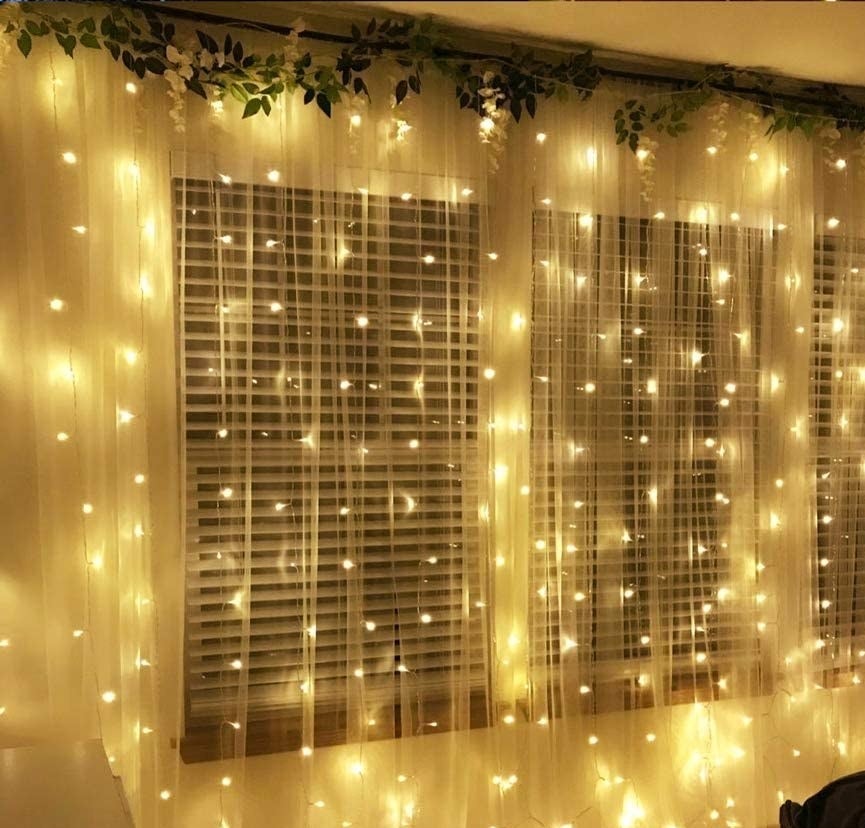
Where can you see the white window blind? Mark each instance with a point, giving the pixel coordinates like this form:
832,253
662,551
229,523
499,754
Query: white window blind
838,447
329,362
644,486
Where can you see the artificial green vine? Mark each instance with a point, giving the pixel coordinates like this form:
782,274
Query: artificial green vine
146,43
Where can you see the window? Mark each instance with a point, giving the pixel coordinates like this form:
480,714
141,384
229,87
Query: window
644,494
838,448
329,370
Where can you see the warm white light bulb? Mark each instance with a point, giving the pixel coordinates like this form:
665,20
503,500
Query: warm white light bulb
165,795
355,120
275,307
429,258
541,137
109,696
832,222
362,321
273,176
489,373
69,157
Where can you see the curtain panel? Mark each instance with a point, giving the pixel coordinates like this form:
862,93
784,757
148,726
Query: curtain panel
363,471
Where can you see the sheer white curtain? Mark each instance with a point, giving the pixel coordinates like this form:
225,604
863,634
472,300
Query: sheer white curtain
469,498
89,445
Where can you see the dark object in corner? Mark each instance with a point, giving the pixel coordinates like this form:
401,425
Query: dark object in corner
841,804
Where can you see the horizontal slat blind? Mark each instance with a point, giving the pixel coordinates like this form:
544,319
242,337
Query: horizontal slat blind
330,401
838,446
641,395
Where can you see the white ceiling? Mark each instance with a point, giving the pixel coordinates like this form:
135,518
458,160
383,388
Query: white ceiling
817,40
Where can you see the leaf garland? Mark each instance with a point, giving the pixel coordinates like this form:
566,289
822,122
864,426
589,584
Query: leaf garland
146,43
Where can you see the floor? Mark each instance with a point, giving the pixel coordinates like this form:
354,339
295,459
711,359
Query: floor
60,786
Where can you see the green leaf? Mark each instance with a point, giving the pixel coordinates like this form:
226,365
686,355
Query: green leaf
323,103
33,27
87,25
194,85
89,40
265,105
25,44
68,42
153,65
252,107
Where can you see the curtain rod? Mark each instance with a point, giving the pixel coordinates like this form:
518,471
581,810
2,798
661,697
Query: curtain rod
677,82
